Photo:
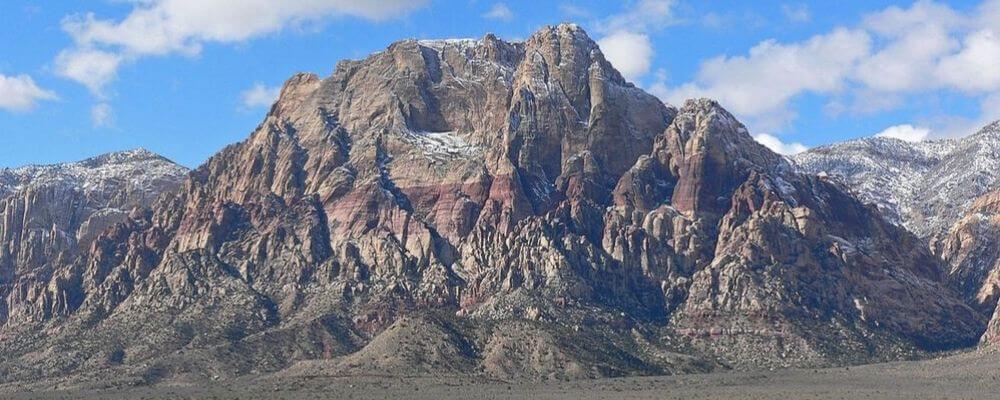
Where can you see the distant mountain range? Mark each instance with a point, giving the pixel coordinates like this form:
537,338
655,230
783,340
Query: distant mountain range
946,191
511,210
925,186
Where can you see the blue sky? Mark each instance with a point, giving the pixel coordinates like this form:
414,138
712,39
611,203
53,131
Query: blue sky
184,78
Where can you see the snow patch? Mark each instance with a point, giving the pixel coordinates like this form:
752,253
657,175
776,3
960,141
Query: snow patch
442,144
441,44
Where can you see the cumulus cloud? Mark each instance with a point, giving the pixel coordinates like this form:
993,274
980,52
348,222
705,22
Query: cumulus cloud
988,14
977,66
161,27
761,83
91,68
626,42
906,132
500,12
102,115
907,62
777,146
630,53
260,95
895,21
891,56
21,94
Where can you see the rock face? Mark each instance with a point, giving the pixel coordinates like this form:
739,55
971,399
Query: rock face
972,250
924,186
51,214
510,209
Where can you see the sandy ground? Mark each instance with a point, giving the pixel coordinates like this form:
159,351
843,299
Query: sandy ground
965,376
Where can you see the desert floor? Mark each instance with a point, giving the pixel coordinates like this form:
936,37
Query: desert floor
964,376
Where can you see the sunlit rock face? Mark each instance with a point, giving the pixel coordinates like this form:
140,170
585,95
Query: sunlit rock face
52,214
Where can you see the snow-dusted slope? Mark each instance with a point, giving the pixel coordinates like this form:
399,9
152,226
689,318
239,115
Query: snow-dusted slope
923,186
138,171
49,212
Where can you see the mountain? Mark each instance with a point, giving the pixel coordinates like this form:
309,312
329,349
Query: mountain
50,214
946,191
513,210
924,186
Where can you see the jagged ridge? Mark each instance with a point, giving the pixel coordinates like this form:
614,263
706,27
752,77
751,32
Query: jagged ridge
925,186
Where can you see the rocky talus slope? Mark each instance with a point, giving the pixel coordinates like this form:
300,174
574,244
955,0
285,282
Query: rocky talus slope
514,210
924,186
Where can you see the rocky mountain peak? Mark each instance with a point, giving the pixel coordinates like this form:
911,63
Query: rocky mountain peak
127,156
140,166
294,92
701,123
706,140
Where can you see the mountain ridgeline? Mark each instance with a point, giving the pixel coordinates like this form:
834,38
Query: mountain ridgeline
512,210
945,191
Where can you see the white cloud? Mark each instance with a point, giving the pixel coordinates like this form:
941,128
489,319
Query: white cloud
897,22
21,94
630,53
977,66
92,68
777,146
988,14
260,96
761,84
500,11
102,115
906,132
160,27
626,42
796,13
893,55
907,62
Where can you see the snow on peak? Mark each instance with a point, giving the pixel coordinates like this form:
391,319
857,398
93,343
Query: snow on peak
140,169
924,186
441,44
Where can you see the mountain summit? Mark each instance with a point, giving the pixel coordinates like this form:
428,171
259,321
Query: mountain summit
513,210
